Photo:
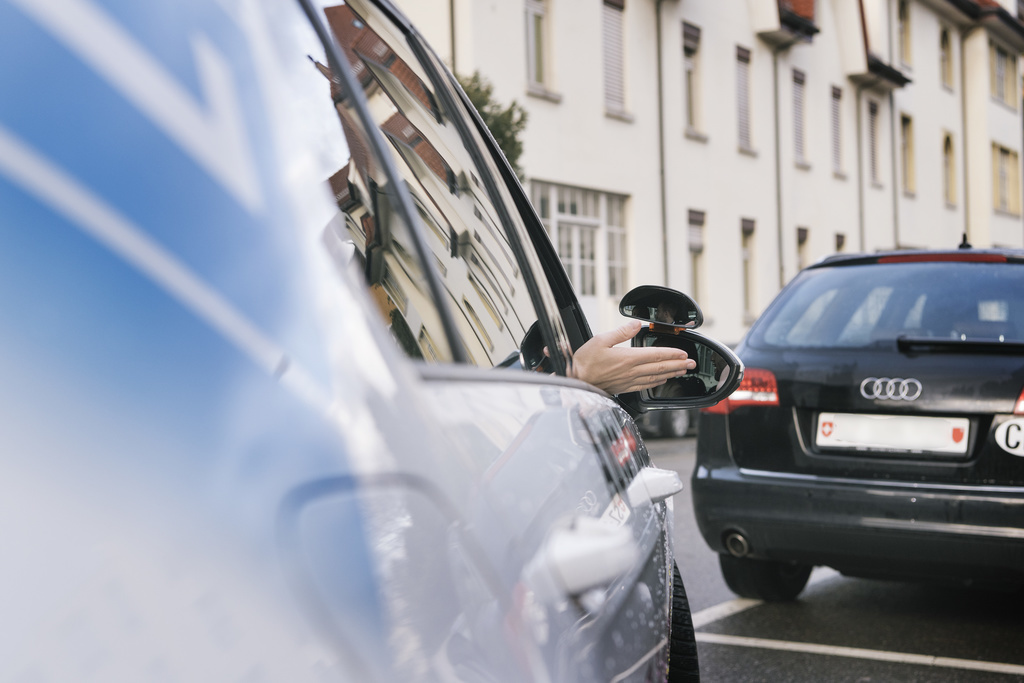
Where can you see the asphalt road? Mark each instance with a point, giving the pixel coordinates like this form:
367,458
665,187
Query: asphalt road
840,629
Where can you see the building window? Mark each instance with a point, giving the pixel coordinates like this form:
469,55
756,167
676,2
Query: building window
1005,180
904,30
696,239
945,58
588,229
614,57
802,241
948,171
691,76
873,141
616,230
907,154
1003,75
840,242
747,254
837,140
536,43
799,136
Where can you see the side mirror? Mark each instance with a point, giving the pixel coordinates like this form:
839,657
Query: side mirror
672,317
718,372
661,305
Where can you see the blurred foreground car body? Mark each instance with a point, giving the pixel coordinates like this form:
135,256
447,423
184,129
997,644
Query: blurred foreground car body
217,463
878,428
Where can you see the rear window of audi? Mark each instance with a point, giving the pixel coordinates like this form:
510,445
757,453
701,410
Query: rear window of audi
872,305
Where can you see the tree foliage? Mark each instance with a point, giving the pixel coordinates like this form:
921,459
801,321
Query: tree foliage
505,123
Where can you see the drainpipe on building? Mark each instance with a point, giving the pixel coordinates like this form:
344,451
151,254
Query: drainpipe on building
963,129
892,132
451,30
661,146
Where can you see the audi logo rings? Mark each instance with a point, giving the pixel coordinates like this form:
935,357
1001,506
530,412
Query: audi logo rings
890,388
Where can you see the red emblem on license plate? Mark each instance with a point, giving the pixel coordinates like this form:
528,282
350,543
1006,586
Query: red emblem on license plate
826,428
958,434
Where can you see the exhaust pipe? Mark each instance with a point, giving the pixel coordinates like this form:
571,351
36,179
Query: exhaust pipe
737,544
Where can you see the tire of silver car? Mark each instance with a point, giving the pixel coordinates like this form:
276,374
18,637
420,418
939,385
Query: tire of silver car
766,580
682,649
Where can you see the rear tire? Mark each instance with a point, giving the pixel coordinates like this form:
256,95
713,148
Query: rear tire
682,645
766,580
675,423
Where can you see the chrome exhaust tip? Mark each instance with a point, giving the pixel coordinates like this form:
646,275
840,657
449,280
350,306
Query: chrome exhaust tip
737,544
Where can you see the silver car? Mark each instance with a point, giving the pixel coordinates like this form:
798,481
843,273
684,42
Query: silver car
285,365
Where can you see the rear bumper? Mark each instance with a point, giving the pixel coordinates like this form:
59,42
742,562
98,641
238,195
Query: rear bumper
866,528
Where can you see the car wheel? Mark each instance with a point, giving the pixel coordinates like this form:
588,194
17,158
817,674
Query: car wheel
764,579
682,648
675,423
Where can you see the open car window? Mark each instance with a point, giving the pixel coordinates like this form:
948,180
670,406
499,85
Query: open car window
477,244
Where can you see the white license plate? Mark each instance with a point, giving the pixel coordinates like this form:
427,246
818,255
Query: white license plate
903,433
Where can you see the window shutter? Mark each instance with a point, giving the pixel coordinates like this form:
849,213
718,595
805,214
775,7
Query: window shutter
691,38
743,96
747,226
614,81
873,140
798,114
837,149
696,234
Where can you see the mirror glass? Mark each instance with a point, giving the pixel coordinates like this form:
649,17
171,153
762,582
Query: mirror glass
717,374
661,305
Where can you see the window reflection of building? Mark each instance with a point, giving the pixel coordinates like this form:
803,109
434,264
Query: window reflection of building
469,247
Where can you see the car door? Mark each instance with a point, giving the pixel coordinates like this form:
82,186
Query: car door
540,465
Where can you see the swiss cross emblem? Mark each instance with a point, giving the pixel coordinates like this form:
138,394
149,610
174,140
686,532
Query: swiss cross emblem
826,428
958,434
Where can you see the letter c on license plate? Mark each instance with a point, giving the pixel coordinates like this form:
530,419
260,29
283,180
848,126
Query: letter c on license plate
1010,436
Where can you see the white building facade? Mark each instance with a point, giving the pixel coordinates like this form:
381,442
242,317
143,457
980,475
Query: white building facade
719,147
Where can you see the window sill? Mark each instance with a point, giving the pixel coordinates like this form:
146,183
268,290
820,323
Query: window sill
749,318
948,87
1003,103
951,206
696,136
910,194
838,175
803,165
877,185
1007,213
542,93
626,117
749,151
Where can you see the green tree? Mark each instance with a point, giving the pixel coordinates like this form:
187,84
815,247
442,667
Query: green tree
505,123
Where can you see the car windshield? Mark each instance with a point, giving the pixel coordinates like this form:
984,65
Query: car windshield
874,305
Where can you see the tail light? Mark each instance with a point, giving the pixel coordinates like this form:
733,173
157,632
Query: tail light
1018,407
758,388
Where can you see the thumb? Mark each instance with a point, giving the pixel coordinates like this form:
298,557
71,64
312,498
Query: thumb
620,334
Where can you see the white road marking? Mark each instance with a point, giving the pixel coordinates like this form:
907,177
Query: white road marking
860,653
212,133
54,188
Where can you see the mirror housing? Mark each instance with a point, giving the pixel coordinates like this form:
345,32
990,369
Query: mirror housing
661,305
718,372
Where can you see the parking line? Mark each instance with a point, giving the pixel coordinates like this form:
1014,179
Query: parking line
860,653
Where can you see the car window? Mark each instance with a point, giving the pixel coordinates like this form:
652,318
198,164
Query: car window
476,243
869,305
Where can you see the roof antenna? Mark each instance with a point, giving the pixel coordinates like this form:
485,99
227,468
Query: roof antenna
965,244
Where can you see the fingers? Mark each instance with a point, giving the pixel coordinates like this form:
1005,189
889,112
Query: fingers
620,334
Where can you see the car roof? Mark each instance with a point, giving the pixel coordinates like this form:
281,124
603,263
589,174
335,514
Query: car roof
969,254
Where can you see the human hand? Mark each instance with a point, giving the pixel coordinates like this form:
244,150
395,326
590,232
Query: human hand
619,369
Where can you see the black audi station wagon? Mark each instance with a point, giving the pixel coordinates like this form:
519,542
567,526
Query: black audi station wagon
879,427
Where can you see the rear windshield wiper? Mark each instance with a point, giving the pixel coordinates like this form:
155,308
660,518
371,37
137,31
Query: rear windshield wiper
933,345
